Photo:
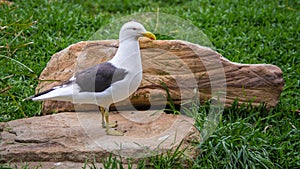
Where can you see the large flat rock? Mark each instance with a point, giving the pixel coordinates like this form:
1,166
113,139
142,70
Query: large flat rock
77,137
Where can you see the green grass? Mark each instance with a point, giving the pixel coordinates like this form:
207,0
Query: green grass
242,31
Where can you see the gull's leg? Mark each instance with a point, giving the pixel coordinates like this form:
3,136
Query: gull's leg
108,130
112,125
102,115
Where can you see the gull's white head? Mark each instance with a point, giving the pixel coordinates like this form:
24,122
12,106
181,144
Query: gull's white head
133,30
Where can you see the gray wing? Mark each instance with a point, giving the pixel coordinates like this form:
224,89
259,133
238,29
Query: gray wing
99,77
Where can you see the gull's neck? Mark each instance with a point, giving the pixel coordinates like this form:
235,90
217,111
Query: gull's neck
128,54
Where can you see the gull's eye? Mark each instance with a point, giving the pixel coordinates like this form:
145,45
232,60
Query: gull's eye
134,29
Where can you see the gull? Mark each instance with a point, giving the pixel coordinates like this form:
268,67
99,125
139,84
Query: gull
108,82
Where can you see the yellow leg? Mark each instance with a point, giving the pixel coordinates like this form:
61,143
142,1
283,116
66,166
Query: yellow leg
108,130
102,114
112,125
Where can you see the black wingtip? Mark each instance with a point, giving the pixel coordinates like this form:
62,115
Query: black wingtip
44,92
37,95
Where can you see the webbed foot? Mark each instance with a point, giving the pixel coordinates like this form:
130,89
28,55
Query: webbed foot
114,133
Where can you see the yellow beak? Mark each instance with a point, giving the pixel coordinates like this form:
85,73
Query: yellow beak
149,35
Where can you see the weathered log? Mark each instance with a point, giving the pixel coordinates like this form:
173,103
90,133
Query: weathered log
180,65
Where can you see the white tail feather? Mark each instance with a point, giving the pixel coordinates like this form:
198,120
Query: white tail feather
62,93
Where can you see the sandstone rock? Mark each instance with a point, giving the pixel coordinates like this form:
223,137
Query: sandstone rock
182,66
76,137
